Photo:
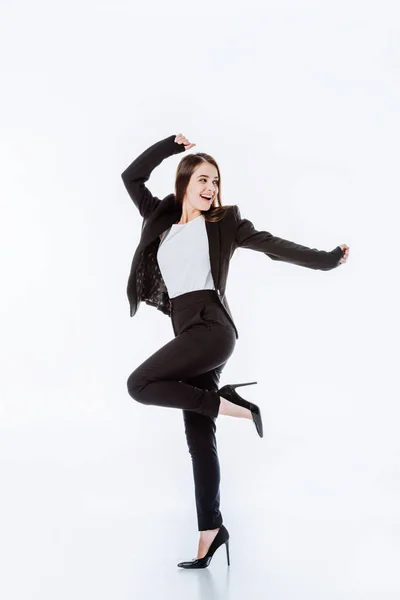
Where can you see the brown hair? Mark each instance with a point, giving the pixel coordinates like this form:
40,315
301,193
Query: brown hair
184,171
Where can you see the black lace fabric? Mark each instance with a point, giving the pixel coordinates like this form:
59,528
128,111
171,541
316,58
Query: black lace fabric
150,284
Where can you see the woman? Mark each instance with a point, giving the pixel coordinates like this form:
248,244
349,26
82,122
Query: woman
181,266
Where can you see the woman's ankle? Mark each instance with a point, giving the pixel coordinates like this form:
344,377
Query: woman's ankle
230,409
208,533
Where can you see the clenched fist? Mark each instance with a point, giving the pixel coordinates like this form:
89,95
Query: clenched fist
181,139
346,249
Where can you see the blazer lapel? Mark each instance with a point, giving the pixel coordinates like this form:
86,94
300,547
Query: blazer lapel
214,248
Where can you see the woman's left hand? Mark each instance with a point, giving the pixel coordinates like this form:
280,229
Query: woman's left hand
346,249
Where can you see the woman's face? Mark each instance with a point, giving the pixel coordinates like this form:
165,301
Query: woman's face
203,182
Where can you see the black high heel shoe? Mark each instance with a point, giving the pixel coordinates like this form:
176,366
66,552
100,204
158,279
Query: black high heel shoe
222,537
228,392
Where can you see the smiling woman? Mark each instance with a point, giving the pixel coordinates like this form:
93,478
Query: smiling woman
198,187
181,266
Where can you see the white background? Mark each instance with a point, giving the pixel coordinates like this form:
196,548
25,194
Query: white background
299,104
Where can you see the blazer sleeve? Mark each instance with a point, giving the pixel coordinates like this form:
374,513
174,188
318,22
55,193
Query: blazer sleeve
139,171
280,249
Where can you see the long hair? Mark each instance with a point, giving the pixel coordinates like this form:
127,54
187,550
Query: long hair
184,171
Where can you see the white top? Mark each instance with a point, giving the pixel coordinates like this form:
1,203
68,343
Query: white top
184,259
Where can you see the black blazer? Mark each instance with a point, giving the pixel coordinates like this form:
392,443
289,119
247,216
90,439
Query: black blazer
145,281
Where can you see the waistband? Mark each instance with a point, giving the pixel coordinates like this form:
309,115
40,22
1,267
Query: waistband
184,300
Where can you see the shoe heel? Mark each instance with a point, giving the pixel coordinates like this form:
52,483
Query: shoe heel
235,385
227,552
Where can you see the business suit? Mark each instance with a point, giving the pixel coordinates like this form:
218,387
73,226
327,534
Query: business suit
178,375
145,281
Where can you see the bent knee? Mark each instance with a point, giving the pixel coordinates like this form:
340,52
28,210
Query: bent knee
135,384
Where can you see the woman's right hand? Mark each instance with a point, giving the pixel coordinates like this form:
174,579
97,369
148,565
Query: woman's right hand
181,139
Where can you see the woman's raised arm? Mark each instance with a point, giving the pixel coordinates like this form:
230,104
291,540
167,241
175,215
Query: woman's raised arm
139,171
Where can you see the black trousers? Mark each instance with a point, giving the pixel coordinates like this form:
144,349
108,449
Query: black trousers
185,374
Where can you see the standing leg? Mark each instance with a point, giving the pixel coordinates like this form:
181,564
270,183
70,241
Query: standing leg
185,374
200,435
